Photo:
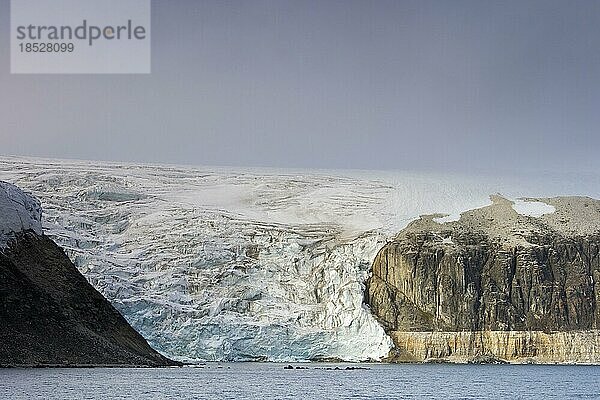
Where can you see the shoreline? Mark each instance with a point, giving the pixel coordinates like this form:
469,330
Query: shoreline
298,365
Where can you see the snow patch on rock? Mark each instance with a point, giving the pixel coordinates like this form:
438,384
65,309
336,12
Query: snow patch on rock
447,240
19,212
447,218
532,208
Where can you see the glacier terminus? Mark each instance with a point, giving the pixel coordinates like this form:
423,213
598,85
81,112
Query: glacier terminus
233,264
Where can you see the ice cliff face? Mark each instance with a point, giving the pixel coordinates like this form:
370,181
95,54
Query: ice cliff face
216,266
19,212
224,264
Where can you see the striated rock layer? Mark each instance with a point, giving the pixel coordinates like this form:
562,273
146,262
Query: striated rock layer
581,347
495,284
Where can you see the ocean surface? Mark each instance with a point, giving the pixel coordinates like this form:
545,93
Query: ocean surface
317,381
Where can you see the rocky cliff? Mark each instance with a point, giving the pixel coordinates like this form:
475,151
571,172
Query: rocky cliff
496,284
49,313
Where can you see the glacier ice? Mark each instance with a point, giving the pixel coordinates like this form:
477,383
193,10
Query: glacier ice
19,212
234,264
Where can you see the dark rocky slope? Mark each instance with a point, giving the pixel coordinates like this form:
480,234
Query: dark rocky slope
49,313
495,284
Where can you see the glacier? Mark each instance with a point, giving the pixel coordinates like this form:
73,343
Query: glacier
20,212
234,264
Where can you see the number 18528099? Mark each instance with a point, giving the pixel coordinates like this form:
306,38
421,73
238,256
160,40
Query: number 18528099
46,47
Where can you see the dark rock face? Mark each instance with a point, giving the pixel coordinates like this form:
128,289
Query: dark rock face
492,271
50,314
420,284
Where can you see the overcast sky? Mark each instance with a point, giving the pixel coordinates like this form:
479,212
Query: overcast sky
436,85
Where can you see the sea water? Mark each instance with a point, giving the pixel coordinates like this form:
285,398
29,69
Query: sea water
314,381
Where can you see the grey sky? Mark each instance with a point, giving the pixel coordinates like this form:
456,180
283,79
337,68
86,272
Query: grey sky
459,85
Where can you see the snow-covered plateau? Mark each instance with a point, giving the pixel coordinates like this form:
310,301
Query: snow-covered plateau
248,264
